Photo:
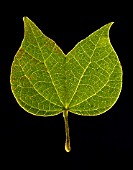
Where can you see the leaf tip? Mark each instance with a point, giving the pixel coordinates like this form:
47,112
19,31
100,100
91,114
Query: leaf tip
25,18
110,24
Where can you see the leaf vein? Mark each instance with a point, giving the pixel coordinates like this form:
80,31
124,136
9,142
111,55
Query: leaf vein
46,65
34,88
97,91
85,68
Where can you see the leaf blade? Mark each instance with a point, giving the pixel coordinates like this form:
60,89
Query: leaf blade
87,81
38,63
78,81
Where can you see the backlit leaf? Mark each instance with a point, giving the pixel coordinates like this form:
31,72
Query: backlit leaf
46,82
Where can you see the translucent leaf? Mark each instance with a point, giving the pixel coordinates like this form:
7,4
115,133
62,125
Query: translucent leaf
45,82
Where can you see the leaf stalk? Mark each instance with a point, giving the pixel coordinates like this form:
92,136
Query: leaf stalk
67,142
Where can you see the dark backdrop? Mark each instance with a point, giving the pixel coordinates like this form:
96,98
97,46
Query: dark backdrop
28,138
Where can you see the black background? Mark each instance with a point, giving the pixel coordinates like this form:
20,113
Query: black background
30,139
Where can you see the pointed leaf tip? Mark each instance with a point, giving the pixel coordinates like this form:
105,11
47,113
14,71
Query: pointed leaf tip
110,24
24,18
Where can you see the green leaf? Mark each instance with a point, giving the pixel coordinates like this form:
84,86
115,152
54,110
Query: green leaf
45,82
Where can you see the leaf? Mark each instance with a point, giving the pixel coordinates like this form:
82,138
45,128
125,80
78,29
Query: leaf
45,82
